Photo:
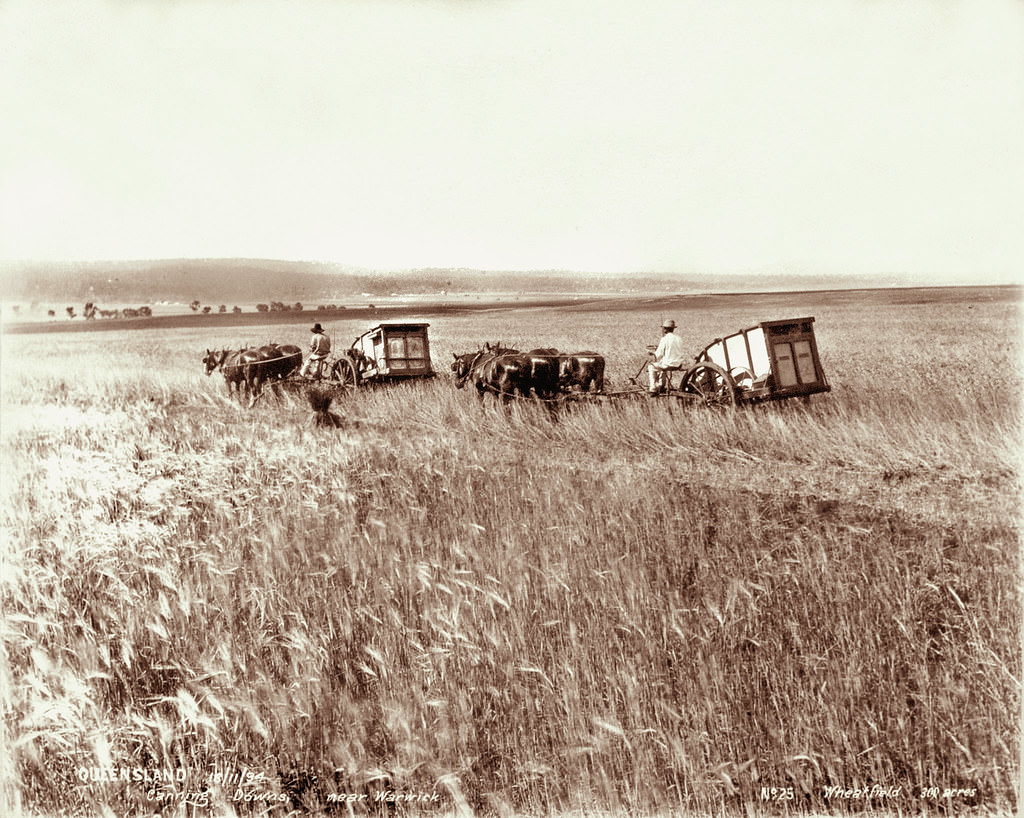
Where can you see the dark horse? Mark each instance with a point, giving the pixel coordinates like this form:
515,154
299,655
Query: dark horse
501,373
542,368
272,363
582,369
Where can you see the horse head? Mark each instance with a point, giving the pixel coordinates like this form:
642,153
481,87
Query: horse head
462,366
213,360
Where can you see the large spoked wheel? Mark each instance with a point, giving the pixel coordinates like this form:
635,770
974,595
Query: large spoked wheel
344,374
710,384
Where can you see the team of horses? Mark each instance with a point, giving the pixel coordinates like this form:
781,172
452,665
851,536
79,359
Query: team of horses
541,374
247,370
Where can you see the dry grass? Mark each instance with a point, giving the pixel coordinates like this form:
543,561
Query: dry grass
636,607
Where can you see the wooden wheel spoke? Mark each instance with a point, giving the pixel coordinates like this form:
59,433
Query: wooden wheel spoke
344,373
710,383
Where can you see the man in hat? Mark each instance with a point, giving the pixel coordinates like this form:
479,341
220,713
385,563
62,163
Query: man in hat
669,356
319,349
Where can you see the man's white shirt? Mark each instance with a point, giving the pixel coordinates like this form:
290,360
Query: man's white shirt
671,351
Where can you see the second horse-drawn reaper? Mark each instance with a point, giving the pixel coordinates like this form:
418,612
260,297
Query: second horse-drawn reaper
770,361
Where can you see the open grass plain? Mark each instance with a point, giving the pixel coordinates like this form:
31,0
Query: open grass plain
444,607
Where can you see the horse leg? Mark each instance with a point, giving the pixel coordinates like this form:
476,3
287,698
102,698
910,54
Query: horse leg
507,391
255,384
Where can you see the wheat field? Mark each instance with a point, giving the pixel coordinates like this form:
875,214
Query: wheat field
443,607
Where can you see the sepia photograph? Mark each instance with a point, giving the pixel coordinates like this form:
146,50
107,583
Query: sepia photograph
510,408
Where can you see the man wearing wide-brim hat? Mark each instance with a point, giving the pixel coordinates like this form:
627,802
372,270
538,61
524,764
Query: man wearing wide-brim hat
669,356
319,349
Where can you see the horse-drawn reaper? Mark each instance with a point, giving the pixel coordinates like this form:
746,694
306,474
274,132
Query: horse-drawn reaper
389,352
771,361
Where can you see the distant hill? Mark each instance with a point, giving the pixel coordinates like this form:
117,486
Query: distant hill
213,281
233,281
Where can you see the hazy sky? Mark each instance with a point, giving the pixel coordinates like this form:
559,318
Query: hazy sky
806,136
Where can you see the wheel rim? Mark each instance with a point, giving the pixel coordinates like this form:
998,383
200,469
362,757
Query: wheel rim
344,374
711,384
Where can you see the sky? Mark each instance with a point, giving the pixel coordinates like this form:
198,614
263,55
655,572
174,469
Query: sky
812,137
